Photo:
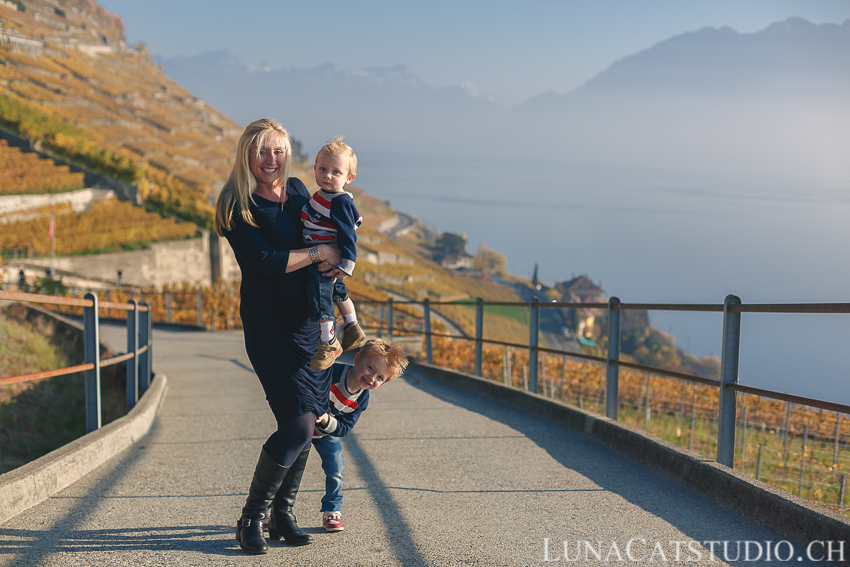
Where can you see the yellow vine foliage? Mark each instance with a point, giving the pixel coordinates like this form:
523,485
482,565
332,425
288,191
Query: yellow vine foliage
22,172
109,225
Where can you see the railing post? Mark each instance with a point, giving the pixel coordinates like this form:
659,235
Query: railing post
200,309
168,306
133,363
728,375
91,345
479,333
429,354
145,341
612,371
390,319
533,330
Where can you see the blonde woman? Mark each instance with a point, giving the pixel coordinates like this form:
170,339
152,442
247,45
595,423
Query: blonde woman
259,213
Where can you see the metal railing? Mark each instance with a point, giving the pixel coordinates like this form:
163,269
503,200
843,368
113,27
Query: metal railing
728,384
138,357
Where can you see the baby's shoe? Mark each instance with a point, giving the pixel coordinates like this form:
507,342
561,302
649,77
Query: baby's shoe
332,521
353,336
326,354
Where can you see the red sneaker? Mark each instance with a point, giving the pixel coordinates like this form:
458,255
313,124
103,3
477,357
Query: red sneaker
332,521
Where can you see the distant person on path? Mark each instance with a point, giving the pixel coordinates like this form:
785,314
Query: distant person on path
259,212
331,216
377,363
22,280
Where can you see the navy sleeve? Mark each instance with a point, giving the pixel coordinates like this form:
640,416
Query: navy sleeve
347,219
345,422
250,246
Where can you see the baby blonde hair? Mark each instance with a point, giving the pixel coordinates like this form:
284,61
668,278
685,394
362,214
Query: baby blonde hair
337,148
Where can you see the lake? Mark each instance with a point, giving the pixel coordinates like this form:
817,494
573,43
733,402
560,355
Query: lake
654,236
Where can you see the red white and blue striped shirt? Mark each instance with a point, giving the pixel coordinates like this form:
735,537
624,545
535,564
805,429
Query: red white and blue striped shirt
332,217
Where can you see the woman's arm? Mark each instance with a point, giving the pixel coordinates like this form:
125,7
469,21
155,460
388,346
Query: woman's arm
252,248
301,259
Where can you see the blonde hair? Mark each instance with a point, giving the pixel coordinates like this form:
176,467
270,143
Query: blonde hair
392,354
336,148
240,186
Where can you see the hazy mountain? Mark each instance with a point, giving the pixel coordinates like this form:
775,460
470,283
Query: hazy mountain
775,102
377,107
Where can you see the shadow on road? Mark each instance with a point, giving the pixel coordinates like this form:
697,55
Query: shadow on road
694,515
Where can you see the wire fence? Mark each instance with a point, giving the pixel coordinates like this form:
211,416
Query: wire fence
794,443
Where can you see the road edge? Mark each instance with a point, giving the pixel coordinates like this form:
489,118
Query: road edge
26,486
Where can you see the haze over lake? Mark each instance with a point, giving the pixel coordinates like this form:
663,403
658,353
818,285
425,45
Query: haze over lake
651,238
711,163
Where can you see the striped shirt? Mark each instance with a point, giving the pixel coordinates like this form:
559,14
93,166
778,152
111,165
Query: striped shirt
332,217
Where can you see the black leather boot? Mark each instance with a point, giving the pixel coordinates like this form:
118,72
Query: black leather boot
282,522
266,482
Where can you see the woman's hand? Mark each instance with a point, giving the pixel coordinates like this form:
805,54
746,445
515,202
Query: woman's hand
331,271
330,260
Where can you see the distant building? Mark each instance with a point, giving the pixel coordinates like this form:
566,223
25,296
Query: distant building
458,262
592,323
380,258
581,290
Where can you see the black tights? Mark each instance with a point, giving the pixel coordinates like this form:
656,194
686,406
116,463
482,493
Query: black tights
293,435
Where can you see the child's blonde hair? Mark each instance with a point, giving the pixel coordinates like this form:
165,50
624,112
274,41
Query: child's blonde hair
391,353
336,148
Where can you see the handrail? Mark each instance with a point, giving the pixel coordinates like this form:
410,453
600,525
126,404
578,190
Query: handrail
47,374
139,328
812,402
69,301
792,308
728,384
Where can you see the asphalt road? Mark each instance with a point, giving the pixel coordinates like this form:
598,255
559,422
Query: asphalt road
434,476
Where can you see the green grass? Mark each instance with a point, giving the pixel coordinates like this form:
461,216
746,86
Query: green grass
35,417
509,312
39,416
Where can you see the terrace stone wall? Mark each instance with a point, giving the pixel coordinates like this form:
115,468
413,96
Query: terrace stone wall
175,262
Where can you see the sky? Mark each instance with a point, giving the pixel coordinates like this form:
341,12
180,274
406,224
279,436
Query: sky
511,51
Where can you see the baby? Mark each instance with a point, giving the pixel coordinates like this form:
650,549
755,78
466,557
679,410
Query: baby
330,216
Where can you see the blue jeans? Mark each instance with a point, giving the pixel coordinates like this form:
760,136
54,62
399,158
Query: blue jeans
322,293
330,451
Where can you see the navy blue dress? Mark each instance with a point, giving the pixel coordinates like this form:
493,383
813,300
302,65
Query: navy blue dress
279,337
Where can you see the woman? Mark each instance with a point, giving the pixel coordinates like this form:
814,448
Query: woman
259,212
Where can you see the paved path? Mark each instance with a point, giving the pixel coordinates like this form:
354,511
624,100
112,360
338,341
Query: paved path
433,477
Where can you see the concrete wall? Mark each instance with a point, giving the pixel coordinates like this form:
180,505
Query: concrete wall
229,269
173,262
79,200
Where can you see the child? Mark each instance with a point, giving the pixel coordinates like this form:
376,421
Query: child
330,216
377,363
